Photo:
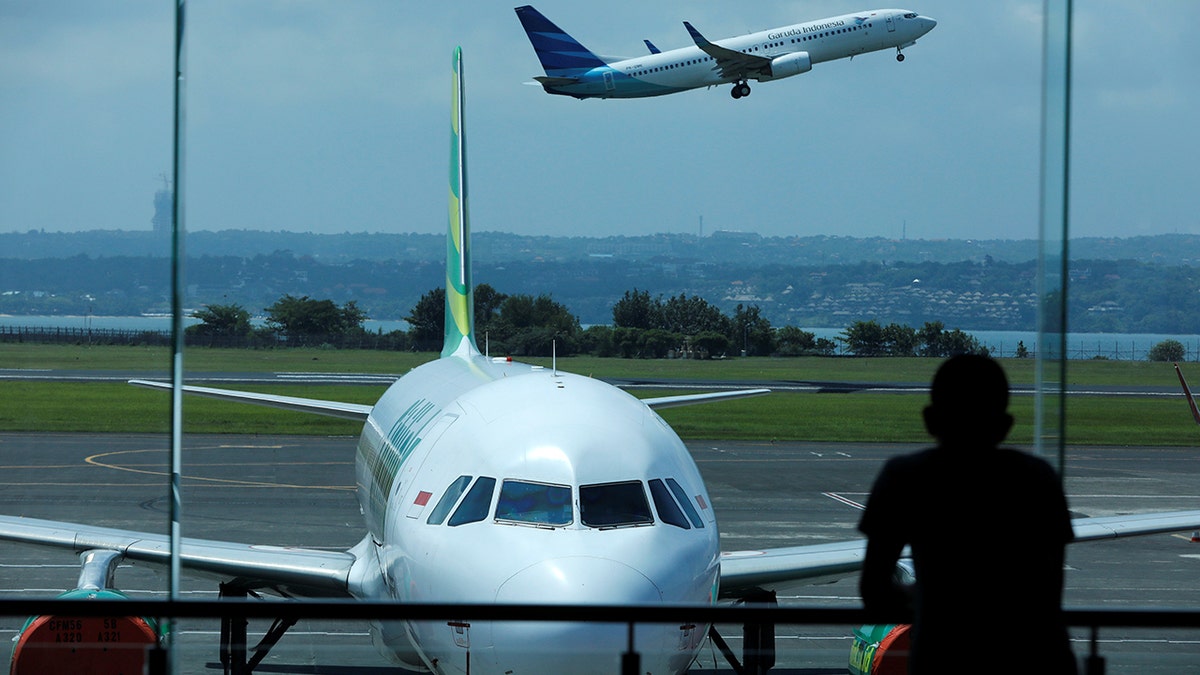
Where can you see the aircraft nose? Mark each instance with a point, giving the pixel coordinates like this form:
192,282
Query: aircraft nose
577,647
579,580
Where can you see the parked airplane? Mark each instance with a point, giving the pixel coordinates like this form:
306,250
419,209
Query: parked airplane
573,70
482,480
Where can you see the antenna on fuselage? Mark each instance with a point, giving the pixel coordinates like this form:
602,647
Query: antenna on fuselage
460,296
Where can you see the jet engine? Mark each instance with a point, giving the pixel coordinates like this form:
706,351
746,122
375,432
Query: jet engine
880,650
788,65
71,644
883,649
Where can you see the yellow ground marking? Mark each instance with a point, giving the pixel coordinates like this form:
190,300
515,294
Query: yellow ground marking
96,460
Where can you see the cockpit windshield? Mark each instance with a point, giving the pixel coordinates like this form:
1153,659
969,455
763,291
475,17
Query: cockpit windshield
602,506
614,505
534,503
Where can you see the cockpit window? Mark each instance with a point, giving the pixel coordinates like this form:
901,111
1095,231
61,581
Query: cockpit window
686,503
614,505
447,501
476,504
534,503
668,510
910,15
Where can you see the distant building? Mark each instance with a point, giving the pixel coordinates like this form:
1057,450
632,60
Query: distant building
735,237
164,202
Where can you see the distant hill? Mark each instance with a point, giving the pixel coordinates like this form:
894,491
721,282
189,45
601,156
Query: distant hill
499,247
1138,284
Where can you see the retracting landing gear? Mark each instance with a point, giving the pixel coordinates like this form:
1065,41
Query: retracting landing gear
758,641
233,637
740,89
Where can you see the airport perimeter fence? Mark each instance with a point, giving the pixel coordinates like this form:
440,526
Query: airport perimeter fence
1091,647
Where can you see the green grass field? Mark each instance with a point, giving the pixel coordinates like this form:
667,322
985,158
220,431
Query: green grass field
116,407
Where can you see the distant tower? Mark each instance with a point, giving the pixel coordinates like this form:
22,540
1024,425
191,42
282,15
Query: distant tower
702,227
163,206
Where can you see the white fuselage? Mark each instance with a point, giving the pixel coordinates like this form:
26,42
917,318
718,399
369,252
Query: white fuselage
562,453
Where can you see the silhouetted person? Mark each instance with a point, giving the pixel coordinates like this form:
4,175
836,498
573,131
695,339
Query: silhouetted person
987,527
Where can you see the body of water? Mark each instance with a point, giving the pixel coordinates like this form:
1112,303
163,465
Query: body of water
1116,346
155,323
1002,343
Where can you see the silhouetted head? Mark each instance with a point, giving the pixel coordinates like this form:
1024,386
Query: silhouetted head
969,402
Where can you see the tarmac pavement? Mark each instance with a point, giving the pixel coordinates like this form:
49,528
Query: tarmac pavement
297,491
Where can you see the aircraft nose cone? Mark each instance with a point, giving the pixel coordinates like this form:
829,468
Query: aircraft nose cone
577,647
579,580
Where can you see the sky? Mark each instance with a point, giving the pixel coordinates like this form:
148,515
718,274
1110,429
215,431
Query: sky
332,116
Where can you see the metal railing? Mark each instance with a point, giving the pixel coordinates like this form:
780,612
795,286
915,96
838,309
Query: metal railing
1092,619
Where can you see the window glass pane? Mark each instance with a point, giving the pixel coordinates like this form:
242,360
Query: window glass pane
535,503
668,510
685,502
476,504
614,505
447,501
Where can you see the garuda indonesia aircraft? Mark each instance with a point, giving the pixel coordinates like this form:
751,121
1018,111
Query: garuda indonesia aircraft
573,70
482,481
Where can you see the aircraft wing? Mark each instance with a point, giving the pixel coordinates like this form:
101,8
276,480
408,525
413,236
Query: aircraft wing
730,62
288,571
350,411
692,399
774,568
745,571
1112,527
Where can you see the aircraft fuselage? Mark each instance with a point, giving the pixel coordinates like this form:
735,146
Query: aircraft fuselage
488,481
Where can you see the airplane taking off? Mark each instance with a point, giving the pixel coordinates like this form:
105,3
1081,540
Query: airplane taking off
483,481
573,70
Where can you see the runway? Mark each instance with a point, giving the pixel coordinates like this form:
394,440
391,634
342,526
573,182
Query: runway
296,491
779,386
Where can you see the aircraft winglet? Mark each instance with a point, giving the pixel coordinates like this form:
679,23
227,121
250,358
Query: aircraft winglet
732,63
1188,393
699,39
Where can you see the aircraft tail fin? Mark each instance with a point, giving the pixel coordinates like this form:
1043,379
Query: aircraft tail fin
460,305
561,55
1188,394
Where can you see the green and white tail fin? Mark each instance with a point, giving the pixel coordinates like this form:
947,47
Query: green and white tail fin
460,305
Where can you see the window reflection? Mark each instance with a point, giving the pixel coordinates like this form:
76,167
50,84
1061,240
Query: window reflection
614,505
476,504
534,503
668,511
447,501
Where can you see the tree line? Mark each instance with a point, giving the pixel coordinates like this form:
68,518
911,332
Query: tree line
643,326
